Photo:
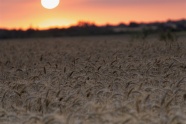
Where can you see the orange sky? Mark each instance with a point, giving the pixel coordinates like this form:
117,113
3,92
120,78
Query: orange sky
29,13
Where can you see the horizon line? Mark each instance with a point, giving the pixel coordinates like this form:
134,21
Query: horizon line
90,22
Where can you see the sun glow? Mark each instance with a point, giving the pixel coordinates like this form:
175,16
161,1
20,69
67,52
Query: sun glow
55,23
31,13
50,4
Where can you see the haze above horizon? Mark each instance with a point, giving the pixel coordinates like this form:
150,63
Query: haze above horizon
29,13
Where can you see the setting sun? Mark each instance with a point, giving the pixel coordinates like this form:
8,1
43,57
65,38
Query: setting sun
50,4
42,14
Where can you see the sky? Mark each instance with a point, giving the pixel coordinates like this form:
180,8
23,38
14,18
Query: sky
24,14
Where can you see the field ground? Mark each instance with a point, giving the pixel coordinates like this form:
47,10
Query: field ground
93,80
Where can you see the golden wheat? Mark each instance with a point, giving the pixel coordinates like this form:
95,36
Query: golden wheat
93,80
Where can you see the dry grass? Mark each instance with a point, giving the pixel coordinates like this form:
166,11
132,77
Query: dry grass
93,80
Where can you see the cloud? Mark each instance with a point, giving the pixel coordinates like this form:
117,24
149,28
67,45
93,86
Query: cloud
16,1
129,2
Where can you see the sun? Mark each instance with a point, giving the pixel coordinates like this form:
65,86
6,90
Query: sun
50,4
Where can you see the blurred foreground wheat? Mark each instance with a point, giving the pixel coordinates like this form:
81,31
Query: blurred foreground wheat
92,80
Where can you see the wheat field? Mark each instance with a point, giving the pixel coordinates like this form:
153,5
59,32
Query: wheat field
93,80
